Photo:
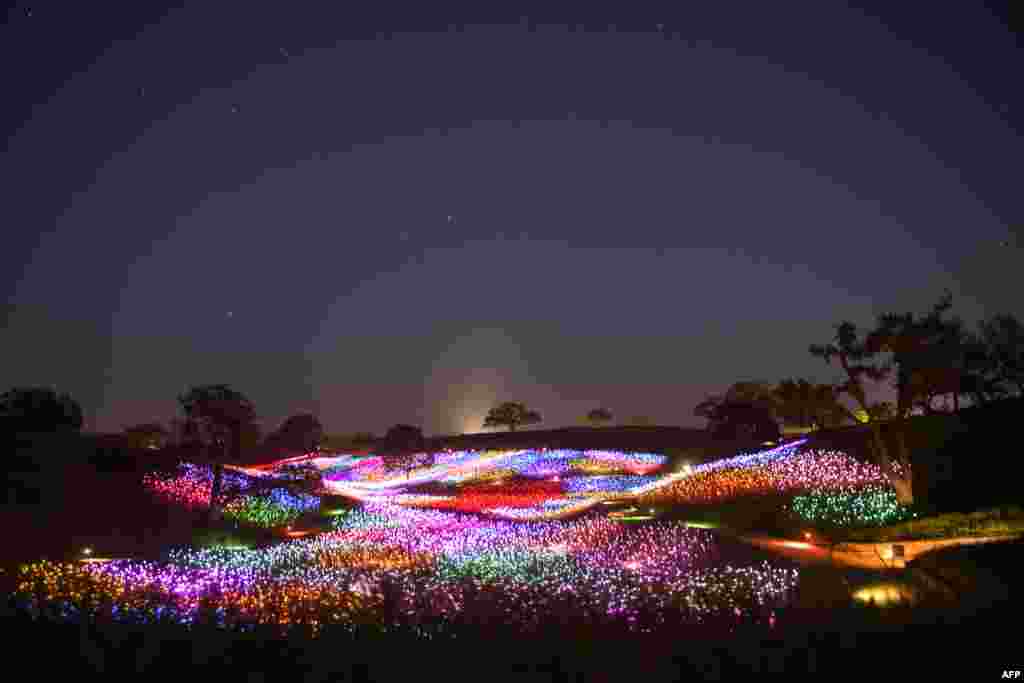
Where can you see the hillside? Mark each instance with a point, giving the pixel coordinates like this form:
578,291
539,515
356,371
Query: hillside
961,462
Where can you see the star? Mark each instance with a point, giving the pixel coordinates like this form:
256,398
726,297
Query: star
230,313
451,219
283,51
660,26
235,108
142,92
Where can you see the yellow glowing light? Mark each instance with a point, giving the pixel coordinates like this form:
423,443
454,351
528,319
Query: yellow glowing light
87,551
883,594
796,544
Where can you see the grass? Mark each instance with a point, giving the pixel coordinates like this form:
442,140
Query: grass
226,533
768,515
1006,520
754,514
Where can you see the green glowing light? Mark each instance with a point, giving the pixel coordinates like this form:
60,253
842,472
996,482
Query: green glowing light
873,506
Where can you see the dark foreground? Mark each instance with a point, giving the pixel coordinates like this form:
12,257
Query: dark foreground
862,642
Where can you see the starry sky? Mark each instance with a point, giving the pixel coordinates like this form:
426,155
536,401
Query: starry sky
402,217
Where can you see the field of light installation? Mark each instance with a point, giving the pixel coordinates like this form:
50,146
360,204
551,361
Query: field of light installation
517,538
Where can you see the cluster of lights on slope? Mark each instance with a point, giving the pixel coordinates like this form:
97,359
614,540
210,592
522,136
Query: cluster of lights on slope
467,568
464,467
277,508
192,484
546,484
438,565
461,566
269,508
623,483
812,471
515,493
367,479
869,506
584,492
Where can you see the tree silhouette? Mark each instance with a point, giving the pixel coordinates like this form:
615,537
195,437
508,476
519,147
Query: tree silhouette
858,359
760,393
1003,339
511,415
929,353
301,433
39,409
729,419
756,393
982,381
222,420
599,417
803,404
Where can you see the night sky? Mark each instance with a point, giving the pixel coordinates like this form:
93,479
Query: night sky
404,218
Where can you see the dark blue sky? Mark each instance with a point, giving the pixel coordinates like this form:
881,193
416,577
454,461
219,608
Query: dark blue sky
404,220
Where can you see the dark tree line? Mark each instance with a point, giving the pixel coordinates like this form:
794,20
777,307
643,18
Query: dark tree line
934,361
39,409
